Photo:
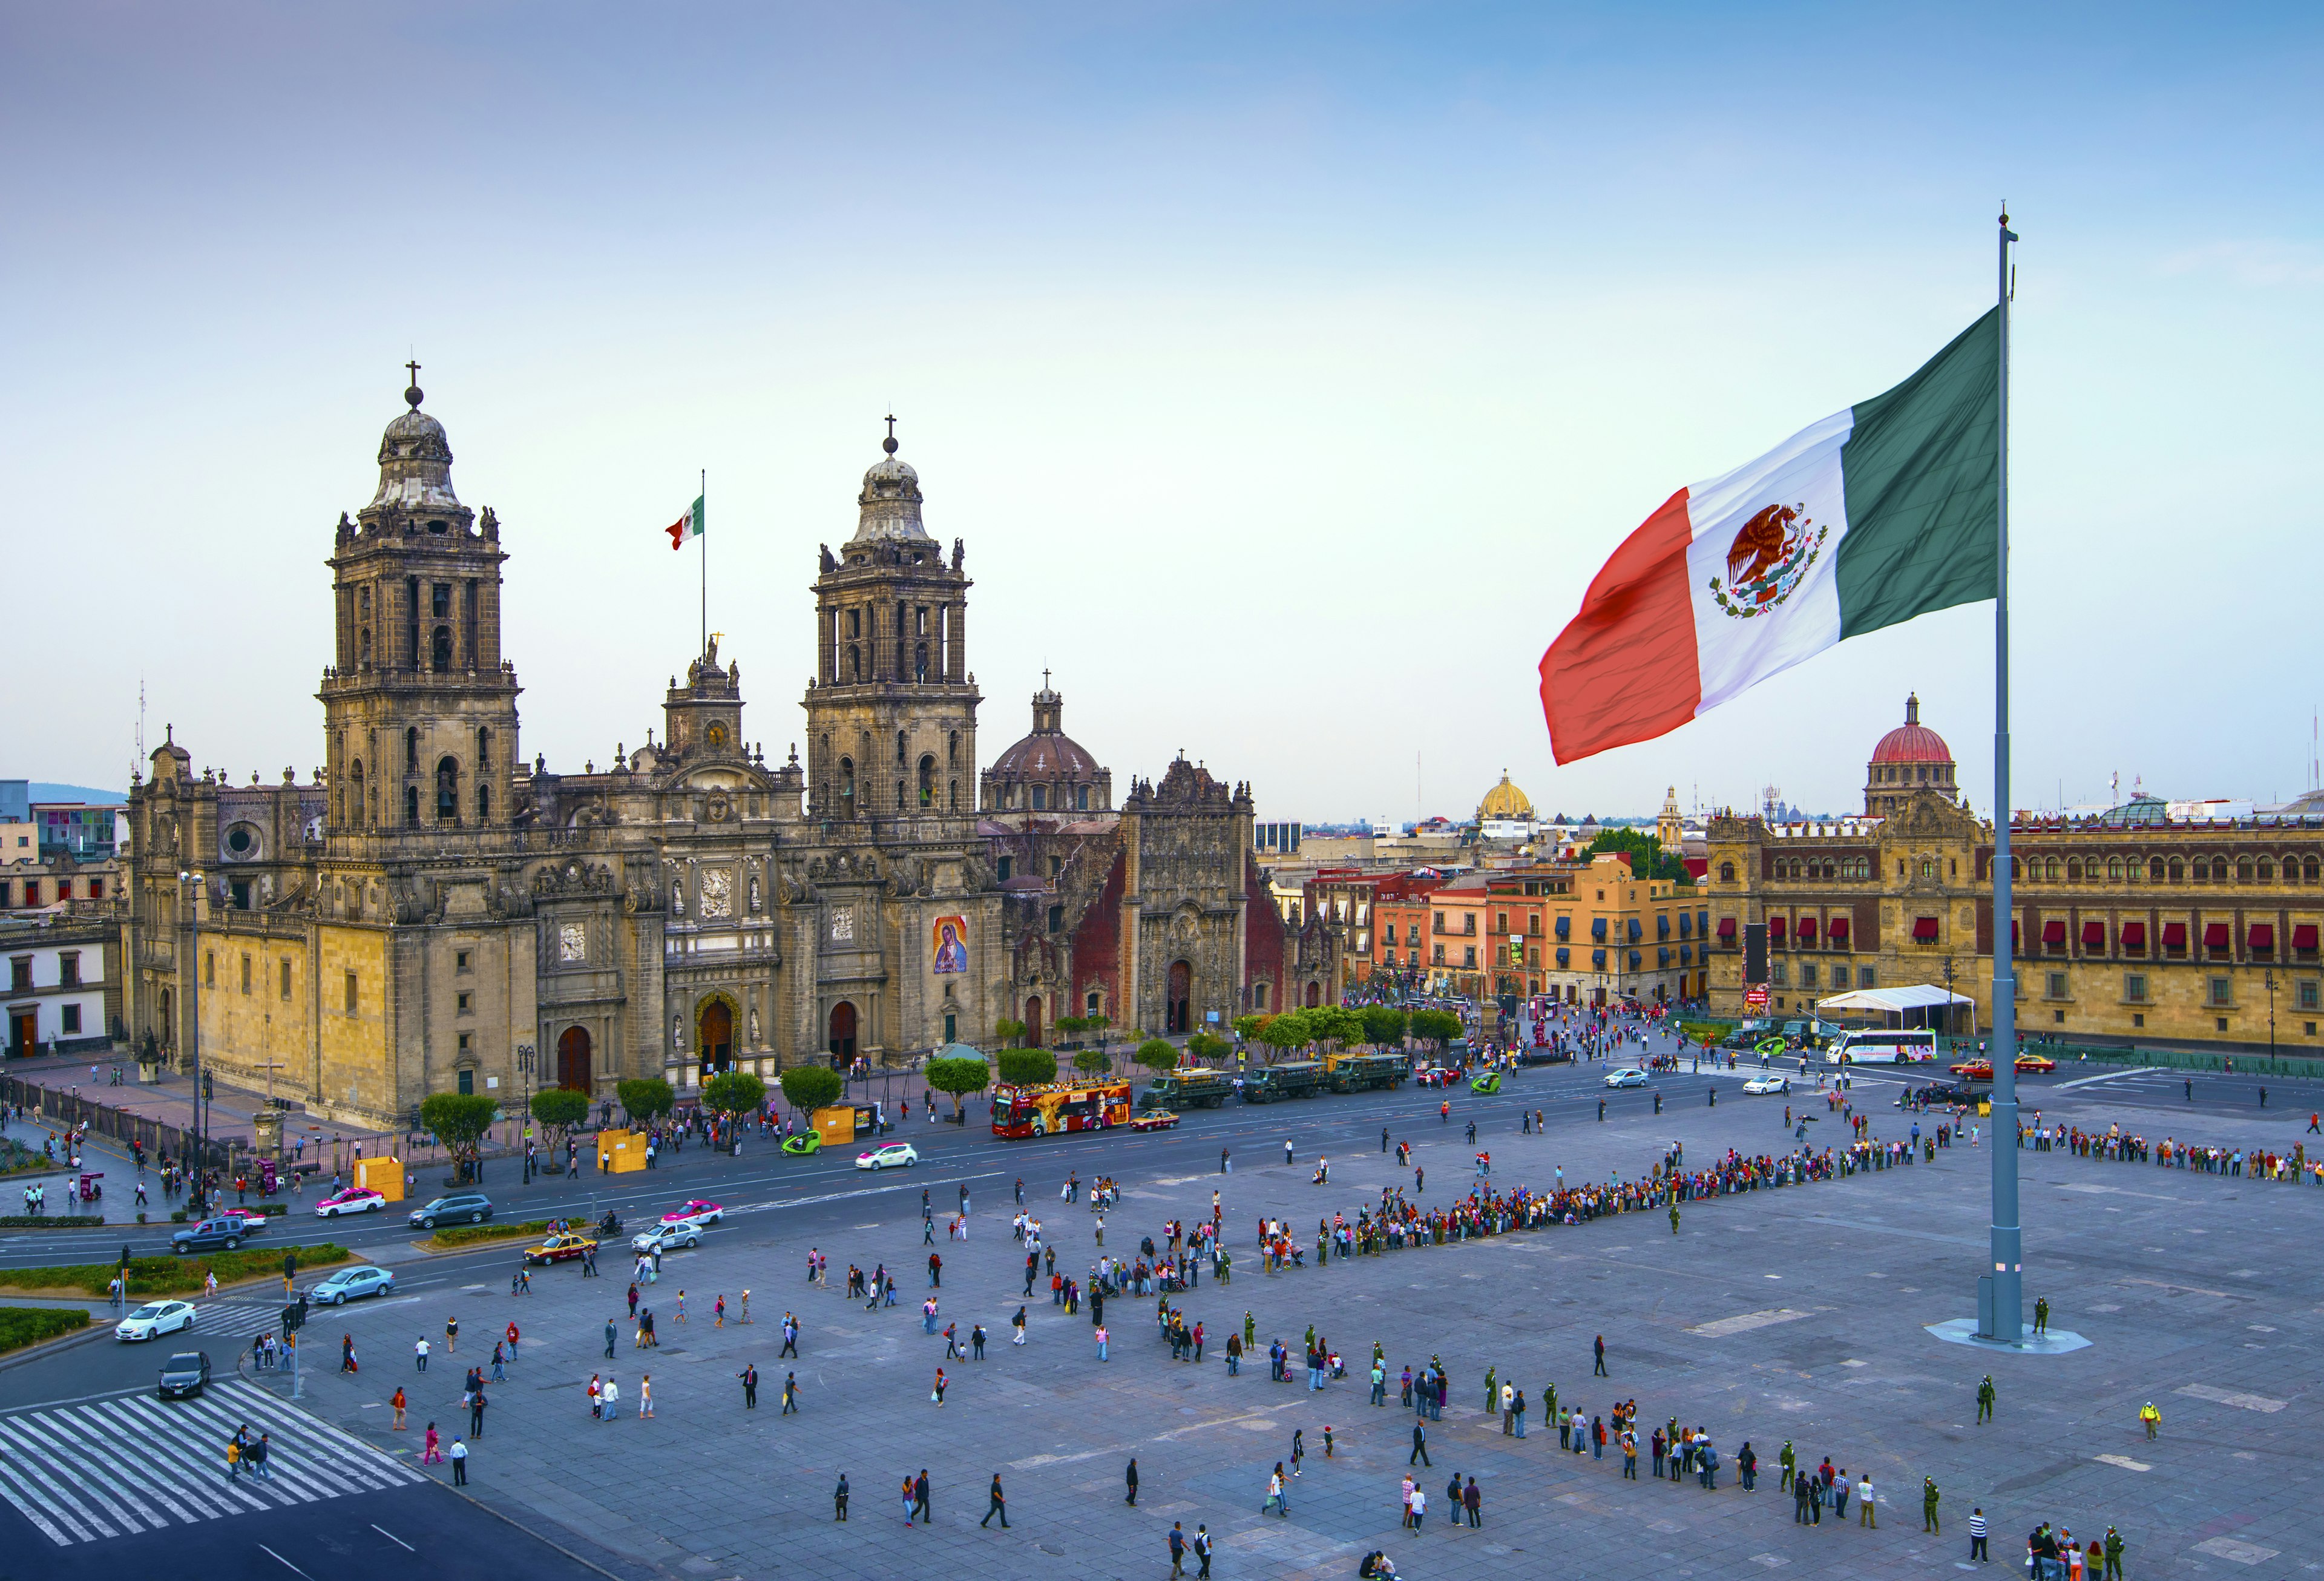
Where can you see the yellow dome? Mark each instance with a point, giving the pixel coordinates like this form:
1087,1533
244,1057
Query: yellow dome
1505,800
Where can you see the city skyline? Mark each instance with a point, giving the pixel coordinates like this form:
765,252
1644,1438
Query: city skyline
1351,345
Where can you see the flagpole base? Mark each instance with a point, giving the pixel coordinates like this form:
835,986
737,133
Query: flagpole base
2056,1342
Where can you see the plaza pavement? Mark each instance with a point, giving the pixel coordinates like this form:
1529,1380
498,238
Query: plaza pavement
1794,1314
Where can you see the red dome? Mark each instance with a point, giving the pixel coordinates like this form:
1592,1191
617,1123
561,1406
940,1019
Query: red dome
1912,742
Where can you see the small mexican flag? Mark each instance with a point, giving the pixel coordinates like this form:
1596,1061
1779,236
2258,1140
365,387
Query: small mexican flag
687,526
1875,514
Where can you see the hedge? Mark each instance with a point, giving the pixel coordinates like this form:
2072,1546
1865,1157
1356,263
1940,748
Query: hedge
470,1235
169,1276
24,1325
36,1221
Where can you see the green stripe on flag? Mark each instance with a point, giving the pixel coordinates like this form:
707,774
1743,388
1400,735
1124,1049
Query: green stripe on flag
695,529
1922,470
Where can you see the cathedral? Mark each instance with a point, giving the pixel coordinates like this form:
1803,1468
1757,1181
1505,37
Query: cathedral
428,912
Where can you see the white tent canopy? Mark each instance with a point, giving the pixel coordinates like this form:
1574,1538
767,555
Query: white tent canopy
1901,1003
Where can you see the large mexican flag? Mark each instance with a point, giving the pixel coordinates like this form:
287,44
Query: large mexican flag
1874,515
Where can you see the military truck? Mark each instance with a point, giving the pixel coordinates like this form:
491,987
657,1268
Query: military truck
1356,1073
1192,1087
1300,1078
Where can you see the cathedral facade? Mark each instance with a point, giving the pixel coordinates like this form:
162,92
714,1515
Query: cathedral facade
427,913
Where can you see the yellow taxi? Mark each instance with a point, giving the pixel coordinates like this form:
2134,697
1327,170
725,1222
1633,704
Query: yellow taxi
560,1248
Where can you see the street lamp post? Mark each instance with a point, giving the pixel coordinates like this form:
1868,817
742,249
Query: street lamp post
189,889
524,1065
2268,981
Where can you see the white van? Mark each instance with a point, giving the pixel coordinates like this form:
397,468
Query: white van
1904,1046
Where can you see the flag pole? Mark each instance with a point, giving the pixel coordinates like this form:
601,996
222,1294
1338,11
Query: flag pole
2003,1318
704,522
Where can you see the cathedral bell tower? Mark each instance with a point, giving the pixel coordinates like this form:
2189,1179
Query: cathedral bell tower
892,712
419,710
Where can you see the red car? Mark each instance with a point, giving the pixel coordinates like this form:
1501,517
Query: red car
2026,1064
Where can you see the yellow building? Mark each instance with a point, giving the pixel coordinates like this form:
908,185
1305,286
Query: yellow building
1617,936
2129,927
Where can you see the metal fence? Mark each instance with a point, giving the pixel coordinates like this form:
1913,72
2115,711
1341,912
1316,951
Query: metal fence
67,1109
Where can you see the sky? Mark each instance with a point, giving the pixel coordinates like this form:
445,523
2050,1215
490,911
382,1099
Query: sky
1287,370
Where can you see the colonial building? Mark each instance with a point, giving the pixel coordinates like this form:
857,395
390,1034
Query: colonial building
430,913
2128,927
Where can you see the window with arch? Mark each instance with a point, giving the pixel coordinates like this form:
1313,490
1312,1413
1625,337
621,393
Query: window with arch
951,750
483,748
439,650
1041,799
854,662
928,782
2013,867
484,802
899,796
2073,869
2243,870
1081,797
2154,871
1928,867
952,794
854,622
920,662
2308,871
846,785
2199,870
2050,871
447,791
412,806
411,751
1727,873
1091,1004
899,747
363,649
2178,870
2114,870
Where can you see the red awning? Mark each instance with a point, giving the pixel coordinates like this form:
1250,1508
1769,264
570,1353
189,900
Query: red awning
1775,927
2174,936
2304,936
2217,936
2054,932
1727,928
1924,930
1838,930
2093,936
2260,936
2134,935
2014,943
1807,929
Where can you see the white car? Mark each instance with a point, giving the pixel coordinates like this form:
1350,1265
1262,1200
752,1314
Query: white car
1769,1083
1630,1077
696,1213
887,1155
155,1319
353,1199
664,1237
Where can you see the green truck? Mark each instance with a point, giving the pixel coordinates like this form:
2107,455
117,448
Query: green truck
1356,1073
1299,1079
1193,1086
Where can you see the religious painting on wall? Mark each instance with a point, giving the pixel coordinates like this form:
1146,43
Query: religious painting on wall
951,934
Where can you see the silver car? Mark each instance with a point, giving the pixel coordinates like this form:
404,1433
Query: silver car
352,1284
666,1238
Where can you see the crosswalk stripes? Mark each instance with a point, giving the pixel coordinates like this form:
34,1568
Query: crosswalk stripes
135,1463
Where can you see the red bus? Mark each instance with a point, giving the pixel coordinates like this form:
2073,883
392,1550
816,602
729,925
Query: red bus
1072,1106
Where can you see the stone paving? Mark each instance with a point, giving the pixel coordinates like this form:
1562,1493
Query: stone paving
1796,1313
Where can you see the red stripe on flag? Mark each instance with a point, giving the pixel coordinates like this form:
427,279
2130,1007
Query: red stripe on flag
677,531
1624,669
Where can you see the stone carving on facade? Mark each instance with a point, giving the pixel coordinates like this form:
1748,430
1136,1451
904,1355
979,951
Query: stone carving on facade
572,878
716,896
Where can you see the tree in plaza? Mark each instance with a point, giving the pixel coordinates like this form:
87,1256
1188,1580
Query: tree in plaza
1159,1055
1028,1066
1435,1026
460,1120
1009,1032
1285,1033
1333,1023
1246,1027
1072,1026
645,1099
560,1107
1647,857
734,1094
809,1087
1089,1061
1383,1024
1206,1048
959,1076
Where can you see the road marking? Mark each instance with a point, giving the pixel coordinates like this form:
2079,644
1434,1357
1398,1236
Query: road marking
2241,1552
1747,1321
278,1559
390,1537
2236,1398
2105,1076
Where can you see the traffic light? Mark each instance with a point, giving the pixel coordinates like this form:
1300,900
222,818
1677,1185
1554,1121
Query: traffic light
293,1314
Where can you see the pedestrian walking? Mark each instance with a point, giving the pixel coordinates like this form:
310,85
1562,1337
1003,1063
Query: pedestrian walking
750,1377
609,1343
459,1463
1419,1447
839,1499
920,1498
790,1394
420,1352
996,1502
1977,1534
1599,1347
1131,1478
398,1402
1277,1494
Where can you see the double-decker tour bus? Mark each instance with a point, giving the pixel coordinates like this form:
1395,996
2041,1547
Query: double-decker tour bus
1067,1105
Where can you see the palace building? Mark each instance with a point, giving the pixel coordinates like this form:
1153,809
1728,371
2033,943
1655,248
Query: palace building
2128,927
428,911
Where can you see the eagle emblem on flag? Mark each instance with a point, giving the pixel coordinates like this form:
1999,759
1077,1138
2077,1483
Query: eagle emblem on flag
1770,555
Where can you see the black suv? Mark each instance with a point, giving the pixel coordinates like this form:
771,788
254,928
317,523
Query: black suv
462,1208
211,1234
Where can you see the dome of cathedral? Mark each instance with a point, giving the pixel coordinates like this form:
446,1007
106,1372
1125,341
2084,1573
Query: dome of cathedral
1912,742
1505,801
889,505
415,463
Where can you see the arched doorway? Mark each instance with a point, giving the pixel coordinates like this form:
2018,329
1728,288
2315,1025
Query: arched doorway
843,1034
573,1059
1033,1022
1177,1009
713,1040
1315,994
